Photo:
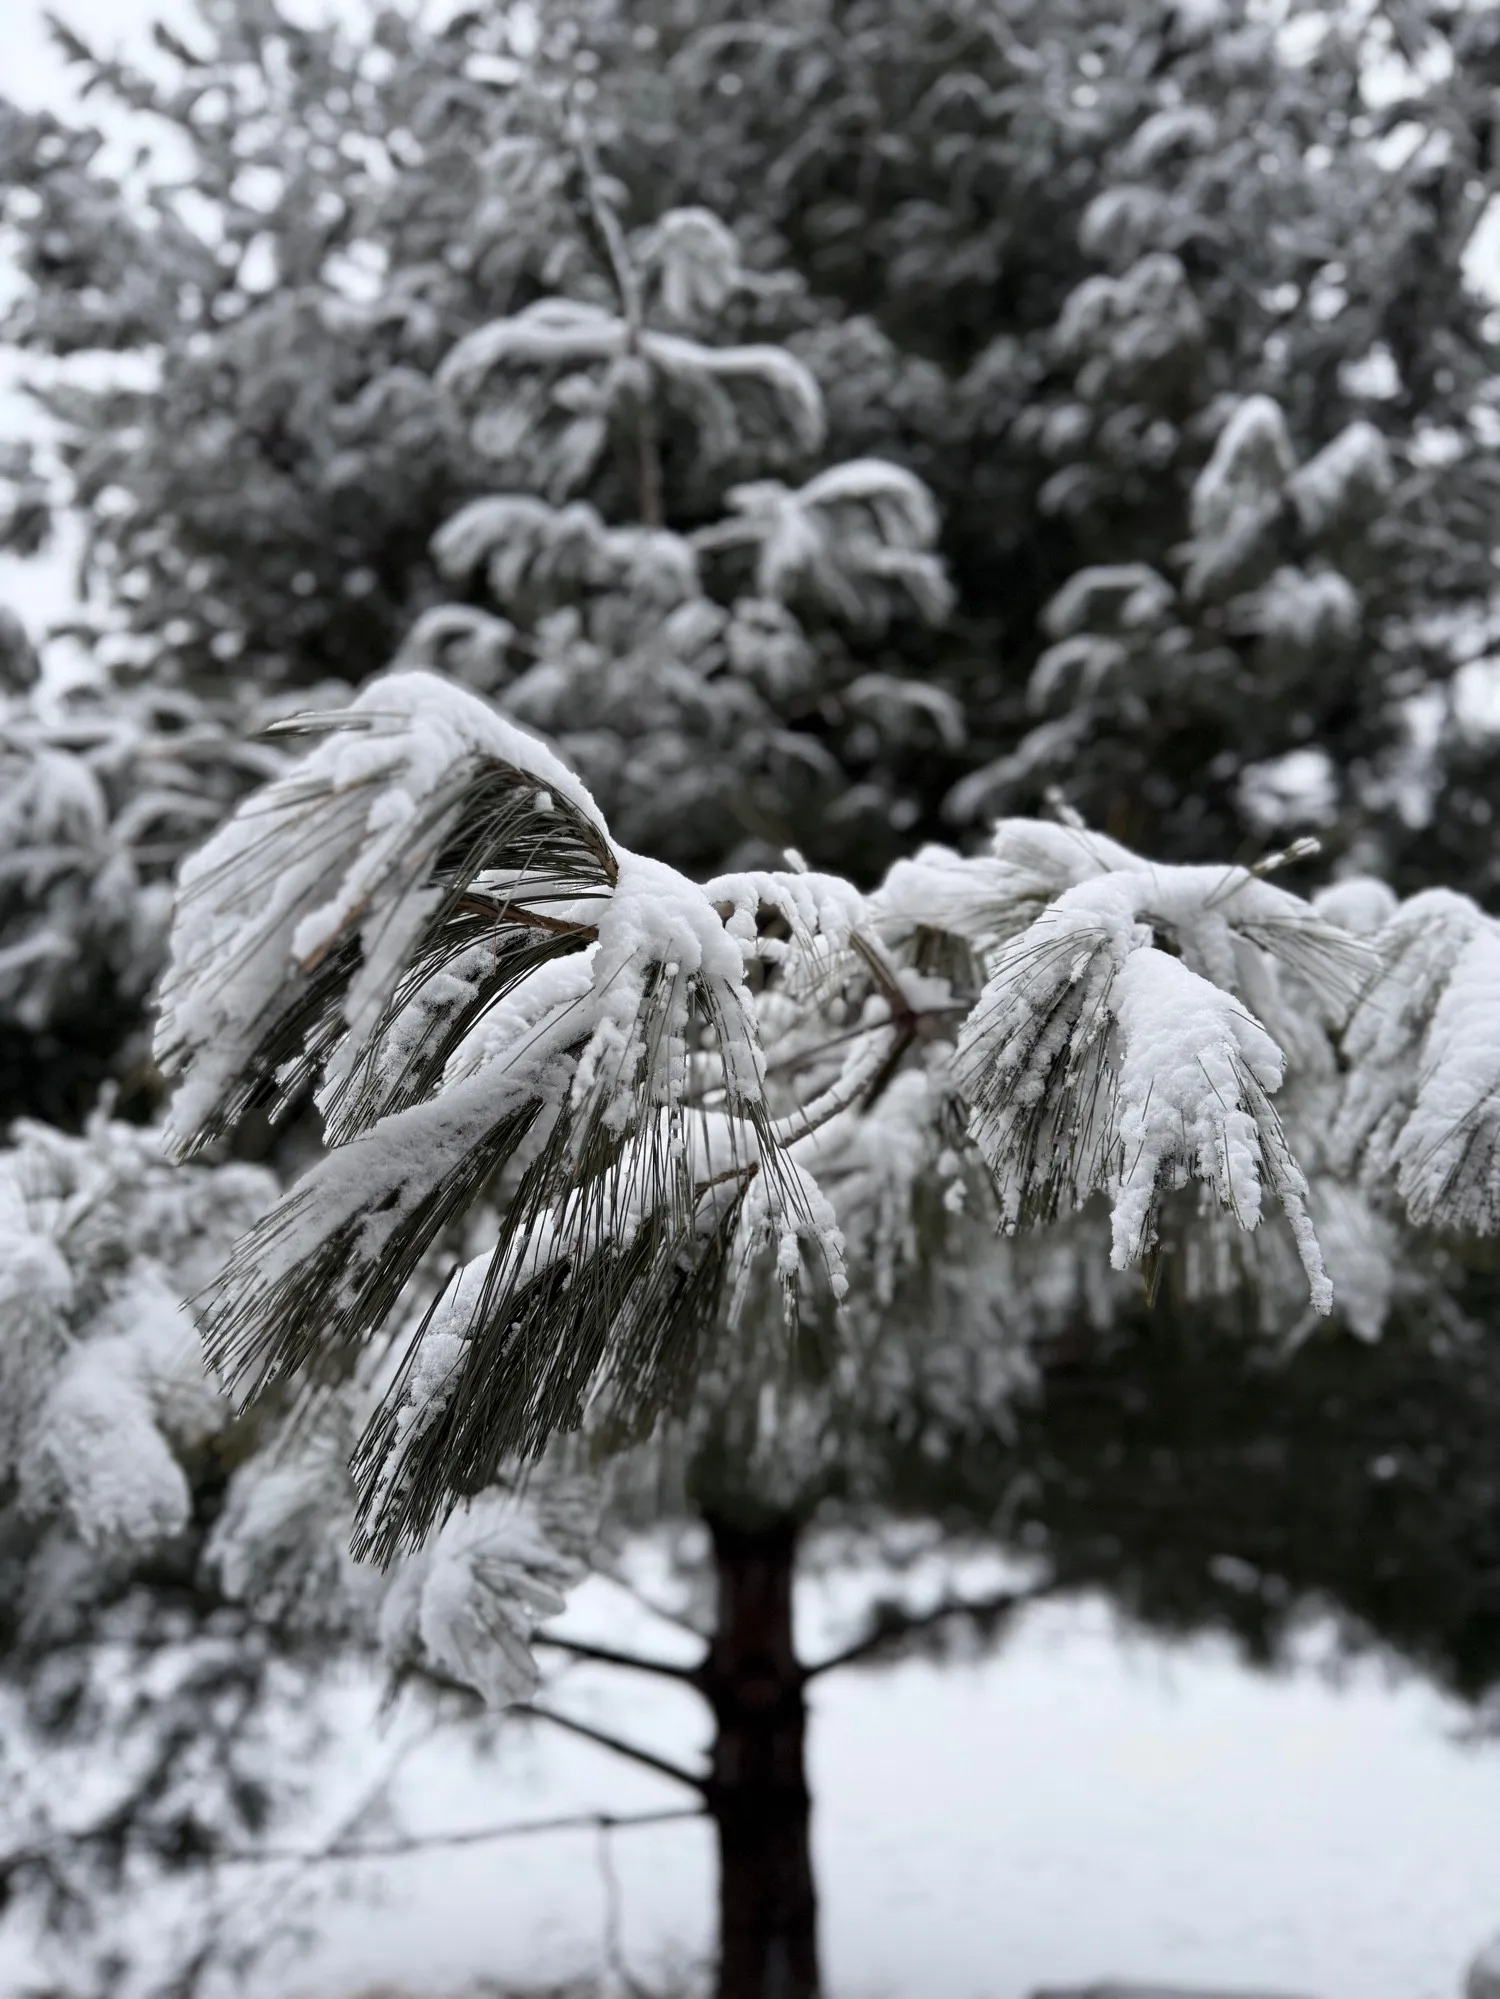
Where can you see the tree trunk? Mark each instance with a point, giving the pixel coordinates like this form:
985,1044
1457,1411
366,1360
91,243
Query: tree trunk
758,1795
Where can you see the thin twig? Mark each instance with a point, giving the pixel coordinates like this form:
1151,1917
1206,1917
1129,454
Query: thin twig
630,1750
884,975
605,1655
677,1618
898,1626
422,1842
614,1944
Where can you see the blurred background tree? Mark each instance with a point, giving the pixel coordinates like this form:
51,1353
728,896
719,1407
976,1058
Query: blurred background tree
1039,258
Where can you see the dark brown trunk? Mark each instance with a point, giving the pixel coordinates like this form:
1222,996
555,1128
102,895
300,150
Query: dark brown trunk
758,1795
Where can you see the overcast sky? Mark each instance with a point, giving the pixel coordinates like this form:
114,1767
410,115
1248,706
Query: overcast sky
34,74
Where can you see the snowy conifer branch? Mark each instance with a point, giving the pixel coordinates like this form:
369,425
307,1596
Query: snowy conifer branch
1422,1108
627,282
504,1006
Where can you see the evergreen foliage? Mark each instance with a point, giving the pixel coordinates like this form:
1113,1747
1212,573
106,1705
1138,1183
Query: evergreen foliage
1057,263
684,1103
103,789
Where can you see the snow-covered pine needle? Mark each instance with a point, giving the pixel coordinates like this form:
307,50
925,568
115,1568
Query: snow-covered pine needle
1422,1101
298,919
1096,1062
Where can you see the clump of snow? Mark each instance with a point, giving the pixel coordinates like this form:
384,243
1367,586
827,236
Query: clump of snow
1238,495
1362,1253
1178,128
1297,789
97,1453
1305,609
102,1384
1421,1104
1475,694
468,1605
1124,595
1345,482
695,261
1374,375
281,1541
563,338
855,538
1359,903
1447,1153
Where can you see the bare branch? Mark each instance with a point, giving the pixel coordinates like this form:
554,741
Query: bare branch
605,1655
389,1849
630,1750
884,976
894,1627
649,1603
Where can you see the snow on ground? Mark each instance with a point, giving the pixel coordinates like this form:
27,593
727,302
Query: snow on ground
1074,1808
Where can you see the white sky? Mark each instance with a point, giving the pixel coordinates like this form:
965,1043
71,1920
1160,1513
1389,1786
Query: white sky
32,74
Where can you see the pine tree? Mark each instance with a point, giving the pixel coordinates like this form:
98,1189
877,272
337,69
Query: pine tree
747,1144
428,347
1073,256
1206,433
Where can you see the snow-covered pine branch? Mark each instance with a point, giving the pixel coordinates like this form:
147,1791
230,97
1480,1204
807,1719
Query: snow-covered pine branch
1114,1048
1422,1106
547,384
854,540
101,792
102,1383
430,915
503,1007
110,1423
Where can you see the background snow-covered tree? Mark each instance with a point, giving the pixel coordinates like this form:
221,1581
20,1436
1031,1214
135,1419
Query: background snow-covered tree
180,1603
1040,259
113,1457
1062,251
569,416
692,676
105,786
